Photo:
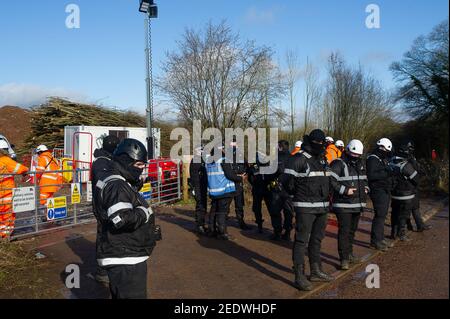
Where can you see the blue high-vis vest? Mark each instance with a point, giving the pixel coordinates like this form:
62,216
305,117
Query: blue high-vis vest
218,184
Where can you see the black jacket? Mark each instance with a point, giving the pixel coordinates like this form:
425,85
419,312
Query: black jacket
257,178
379,174
198,178
346,174
406,180
101,164
307,178
126,222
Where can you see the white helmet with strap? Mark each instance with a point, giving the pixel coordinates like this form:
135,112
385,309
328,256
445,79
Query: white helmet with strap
386,143
298,144
41,148
356,147
329,139
4,145
339,143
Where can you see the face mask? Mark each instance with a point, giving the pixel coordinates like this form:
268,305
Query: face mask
317,149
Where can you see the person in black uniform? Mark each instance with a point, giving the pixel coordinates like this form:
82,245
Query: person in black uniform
307,179
404,192
199,183
380,176
100,167
221,188
279,198
420,224
260,190
127,232
239,166
350,188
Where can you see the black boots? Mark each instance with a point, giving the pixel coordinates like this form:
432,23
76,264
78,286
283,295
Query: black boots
423,227
243,225
275,236
286,235
378,246
318,275
260,226
402,235
201,230
301,282
345,264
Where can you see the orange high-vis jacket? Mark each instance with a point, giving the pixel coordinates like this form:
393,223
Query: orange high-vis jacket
48,182
296,150
332,153
9,167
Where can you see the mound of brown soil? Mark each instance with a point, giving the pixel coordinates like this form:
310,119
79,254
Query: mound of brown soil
15,124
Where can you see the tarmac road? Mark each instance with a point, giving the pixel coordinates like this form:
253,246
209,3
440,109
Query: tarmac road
415,269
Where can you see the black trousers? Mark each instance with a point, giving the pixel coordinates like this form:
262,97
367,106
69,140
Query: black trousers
128,281
239,201
201,200
218,216
280,203
259,193
348,224
381,200
400,214
309,230
417,218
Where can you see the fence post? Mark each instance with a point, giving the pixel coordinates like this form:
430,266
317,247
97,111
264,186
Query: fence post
159,182
37,202
75,205
178,180
185,179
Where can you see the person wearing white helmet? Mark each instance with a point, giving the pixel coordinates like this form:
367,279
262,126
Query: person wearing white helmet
8,167
350,188
50,180
380,177
340,145
332,152
297,148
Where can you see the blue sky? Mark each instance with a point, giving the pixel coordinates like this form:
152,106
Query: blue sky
103,61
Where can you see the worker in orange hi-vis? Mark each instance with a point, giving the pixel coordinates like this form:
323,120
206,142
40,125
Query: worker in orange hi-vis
8,168
50,180
297,148
332,152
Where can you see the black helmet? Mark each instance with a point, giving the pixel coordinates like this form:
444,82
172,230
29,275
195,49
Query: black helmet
133,148
110,143
411,147
317,136
403,150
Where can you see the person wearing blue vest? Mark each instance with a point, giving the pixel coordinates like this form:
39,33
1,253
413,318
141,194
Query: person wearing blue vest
221,189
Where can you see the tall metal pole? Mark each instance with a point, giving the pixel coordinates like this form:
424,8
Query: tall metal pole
149,86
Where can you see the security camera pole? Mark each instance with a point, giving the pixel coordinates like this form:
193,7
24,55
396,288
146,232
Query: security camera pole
151,10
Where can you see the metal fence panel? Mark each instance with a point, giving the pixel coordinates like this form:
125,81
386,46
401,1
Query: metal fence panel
165,188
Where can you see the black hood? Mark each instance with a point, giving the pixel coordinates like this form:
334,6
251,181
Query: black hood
306,146
124,164
99,152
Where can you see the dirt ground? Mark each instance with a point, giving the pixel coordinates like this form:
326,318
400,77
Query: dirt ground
185,265
415,269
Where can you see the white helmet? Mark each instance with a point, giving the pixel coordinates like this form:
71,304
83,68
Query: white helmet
339,143
298,144
329,139
386,143
355,146
4,145
41,148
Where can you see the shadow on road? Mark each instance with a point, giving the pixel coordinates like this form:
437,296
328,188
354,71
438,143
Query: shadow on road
232,249
89,288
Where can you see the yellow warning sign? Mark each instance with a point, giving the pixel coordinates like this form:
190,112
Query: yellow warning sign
76,196
56,208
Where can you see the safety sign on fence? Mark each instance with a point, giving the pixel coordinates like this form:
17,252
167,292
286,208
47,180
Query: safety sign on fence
146,191
24,199
75,193
56,208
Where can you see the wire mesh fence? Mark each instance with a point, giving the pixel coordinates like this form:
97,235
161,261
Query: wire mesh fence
31,207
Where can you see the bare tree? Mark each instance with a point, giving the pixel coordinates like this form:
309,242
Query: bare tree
292,77
312,93
215,77
355,105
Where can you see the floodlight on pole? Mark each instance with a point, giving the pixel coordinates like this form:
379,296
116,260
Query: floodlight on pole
151,10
